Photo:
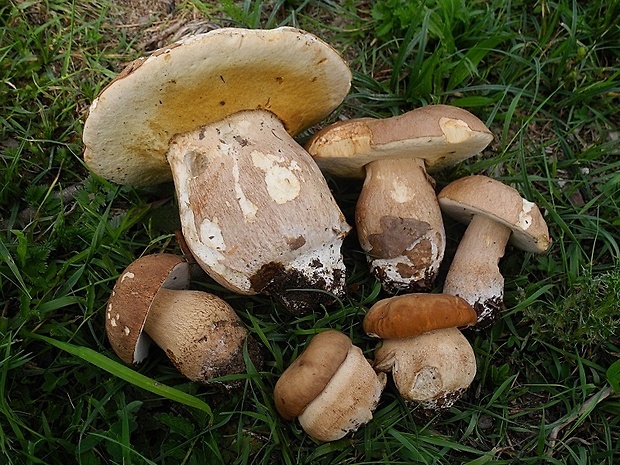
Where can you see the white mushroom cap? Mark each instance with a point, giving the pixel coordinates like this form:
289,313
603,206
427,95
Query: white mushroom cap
492,199
442,135
203,79
432,369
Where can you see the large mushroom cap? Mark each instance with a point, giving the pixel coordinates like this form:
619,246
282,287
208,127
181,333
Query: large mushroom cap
308,375
408,315
131,300
204,79
481,195
442,135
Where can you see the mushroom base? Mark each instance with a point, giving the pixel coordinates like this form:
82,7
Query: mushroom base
298,290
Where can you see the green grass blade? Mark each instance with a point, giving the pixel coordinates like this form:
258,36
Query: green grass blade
127,374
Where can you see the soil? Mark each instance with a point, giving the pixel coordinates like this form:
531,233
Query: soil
153,24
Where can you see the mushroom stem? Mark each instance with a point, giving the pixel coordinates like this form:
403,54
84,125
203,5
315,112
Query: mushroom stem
201,334
474,274
399,224
256,211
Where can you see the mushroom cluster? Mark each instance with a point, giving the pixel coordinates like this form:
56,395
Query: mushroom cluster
217,114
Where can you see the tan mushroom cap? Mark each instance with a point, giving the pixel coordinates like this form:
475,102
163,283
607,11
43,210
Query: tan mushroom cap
308,375
131,300
408,315
201,80
442,135
481,195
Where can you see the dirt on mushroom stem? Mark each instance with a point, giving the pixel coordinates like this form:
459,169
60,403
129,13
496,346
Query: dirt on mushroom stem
297,293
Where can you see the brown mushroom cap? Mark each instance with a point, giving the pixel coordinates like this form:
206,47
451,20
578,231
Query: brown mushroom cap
481,195
442,135
308,375
203,79
132,297
408,315
432,369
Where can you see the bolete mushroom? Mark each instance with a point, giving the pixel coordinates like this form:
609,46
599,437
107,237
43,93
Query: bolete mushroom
431,370
430,360
496,214
201,334
398,220
217,113
331,388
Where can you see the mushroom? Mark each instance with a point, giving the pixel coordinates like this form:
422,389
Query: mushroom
432,369
217,113
201,334
431,362
331,388
496,214
398,220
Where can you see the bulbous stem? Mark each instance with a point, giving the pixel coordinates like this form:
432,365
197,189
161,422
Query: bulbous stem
201,334
399,224
474,274
257,212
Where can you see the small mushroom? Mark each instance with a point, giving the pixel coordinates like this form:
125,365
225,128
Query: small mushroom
496,214
331,388
217,113
201,334
398,220
432,369
431,362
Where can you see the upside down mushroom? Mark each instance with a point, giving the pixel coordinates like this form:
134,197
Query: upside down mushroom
217,113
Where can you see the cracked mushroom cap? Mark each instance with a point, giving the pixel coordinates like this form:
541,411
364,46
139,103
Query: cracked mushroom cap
481,195
408,315
442,135
203,79
132,297
432,369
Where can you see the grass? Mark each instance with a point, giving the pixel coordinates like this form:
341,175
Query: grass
544,76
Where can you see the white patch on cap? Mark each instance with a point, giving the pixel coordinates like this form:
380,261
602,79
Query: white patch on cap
282,184
525,219
128,275
455,130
